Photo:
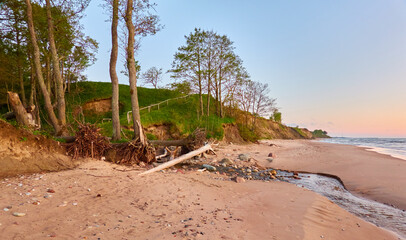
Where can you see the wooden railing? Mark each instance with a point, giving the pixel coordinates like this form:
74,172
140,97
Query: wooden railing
153,105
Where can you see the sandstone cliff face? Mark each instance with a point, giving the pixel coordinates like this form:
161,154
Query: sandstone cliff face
268,129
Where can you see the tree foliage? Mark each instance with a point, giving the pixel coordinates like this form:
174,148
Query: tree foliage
209,63
152,76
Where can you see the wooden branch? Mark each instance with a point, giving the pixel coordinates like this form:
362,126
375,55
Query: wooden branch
167,143
178,160
161,156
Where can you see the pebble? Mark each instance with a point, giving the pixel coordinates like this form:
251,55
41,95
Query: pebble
63,204
226,162
6,209
17,214
209,167
238,179
243,157
249,170
272,155
269,159
74,203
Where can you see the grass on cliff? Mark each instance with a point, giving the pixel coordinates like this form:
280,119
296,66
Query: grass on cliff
180,114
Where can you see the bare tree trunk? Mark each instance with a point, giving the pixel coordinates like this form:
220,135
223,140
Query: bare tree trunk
113,74
60,94
20,71
48,73
220,101
23,118
132,73
32,93
38,70
200,85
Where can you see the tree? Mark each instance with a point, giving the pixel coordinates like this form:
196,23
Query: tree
276,116
113,74
38,71
188,62
152,76
262,104
145,24
60,93
208,61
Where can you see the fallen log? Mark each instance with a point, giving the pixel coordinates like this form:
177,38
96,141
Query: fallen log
23,116
178,160
167,143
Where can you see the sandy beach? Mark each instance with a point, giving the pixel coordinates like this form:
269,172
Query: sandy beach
99,200
366,173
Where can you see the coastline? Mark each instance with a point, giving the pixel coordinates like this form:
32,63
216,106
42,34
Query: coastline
107,201
369,174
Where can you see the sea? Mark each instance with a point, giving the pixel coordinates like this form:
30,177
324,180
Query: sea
395,147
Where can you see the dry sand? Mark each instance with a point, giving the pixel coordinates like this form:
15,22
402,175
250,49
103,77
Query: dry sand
100,200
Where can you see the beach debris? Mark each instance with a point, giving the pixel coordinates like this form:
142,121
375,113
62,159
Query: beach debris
74,203
238,179
273,172
135,152
179,159
209,167
50,190
272,155
269,160
88,142
243,157
225,162
64,204
6,209
18,214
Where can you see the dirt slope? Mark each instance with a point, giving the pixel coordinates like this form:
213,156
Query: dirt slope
23,152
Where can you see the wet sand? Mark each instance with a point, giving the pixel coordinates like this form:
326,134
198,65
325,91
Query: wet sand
369,174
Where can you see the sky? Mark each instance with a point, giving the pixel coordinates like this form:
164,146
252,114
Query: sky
335,65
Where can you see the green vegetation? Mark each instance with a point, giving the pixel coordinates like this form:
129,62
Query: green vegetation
276,116
180,114
318,133
298,130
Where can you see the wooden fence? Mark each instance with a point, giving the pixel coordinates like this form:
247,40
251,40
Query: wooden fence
153,105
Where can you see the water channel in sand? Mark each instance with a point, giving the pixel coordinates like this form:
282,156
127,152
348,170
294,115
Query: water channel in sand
381,215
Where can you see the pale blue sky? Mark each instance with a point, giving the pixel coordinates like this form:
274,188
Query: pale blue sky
337,65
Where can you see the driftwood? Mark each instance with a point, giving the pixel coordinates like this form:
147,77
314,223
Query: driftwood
88,142
167,143
178,160
23,116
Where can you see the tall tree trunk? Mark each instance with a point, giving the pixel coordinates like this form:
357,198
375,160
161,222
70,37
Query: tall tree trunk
132,73
32,93
19,68
200,84
113,74
48,73
60,94
38,70
220,100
